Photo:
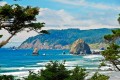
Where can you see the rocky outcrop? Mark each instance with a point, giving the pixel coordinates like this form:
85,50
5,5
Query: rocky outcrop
62,39
80,47
38,44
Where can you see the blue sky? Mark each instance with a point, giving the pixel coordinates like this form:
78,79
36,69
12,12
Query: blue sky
63,14
83,14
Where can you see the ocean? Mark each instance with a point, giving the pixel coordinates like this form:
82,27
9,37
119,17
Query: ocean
22,60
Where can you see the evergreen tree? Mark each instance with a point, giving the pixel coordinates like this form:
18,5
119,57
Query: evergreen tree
112,53
16,18
98,76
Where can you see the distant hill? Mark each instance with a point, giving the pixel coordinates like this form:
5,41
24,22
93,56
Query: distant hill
61,39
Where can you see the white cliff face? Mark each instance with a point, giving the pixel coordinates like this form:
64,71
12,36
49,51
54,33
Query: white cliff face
80,47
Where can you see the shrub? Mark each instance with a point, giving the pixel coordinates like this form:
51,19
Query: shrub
57,71
102,64
98,76
33,76
78,74
6,77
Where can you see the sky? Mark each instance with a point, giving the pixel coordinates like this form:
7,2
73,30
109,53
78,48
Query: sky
63,14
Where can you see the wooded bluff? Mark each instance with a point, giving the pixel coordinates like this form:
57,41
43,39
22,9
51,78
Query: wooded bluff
62,39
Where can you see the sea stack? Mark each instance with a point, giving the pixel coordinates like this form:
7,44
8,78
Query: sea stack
35,52
79,47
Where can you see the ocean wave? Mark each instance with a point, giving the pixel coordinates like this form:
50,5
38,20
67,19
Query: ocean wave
42,63
93,56
22,68
74,63
91,68
12,68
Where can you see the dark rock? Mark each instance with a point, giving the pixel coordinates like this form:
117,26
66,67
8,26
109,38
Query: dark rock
80,47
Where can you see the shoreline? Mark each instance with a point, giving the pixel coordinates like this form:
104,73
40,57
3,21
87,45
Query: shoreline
86,61
114,75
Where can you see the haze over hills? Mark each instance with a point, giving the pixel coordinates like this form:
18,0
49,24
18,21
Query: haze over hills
62,39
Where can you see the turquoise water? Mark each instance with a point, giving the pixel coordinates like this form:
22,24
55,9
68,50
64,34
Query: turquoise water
22,60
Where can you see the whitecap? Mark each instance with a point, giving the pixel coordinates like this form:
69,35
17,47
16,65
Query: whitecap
42,63
92,68
12,68
93,56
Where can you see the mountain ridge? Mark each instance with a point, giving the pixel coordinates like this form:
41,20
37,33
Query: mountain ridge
61,39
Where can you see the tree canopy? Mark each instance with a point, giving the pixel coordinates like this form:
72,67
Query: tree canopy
16,18
112,53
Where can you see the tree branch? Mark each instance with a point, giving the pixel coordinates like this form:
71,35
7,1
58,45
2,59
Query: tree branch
115,65
6,41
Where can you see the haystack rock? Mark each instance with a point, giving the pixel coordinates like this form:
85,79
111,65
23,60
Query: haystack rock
80,47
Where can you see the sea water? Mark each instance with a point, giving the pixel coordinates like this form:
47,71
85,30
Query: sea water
22,60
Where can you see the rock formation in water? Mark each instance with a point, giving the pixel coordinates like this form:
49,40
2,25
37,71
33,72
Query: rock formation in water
62,39
80,47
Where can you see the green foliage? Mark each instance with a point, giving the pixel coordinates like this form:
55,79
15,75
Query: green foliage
34,76
68,36
16,18
6,77
44,31
109,37
119,19
114,36
98,76
102,64
57,71
77,74
1,36
112,53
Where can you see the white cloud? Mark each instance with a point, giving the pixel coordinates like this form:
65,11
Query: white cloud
2,3
89,4
60,19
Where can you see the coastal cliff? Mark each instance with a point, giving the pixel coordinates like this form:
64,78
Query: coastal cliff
62,39
38,44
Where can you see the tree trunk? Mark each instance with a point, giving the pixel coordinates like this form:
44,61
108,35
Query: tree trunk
6,41
115,65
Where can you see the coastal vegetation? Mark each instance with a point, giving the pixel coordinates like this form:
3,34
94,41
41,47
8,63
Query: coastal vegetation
112,53
58,71
16,18
98,76
6,77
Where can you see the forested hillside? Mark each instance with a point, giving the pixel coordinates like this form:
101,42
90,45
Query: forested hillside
61,38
